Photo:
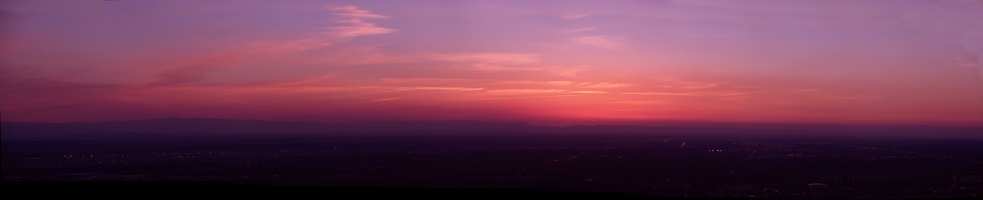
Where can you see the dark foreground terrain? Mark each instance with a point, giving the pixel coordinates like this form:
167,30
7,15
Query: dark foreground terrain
623,165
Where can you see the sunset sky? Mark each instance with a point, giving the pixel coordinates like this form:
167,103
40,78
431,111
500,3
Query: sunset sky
549,62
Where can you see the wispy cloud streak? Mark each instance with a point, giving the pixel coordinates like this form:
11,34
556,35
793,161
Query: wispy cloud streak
602,41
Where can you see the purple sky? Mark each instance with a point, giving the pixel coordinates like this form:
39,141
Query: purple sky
896,61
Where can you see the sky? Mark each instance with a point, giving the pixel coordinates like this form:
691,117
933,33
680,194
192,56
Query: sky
545,62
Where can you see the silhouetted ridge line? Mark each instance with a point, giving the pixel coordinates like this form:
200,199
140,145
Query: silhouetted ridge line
209,127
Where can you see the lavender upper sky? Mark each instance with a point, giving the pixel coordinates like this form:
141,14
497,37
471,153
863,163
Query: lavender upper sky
541,61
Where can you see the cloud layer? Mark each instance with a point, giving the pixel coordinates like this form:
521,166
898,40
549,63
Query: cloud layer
580,62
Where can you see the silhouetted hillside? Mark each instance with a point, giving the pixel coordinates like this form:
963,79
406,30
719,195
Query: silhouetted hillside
204,127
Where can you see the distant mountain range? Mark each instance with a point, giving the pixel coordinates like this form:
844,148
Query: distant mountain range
205,127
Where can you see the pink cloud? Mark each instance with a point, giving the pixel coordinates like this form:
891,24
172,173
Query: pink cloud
490,58
355,28
353,22
386,99
602,41
353,12
661,93
575,16
572,31
194,70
